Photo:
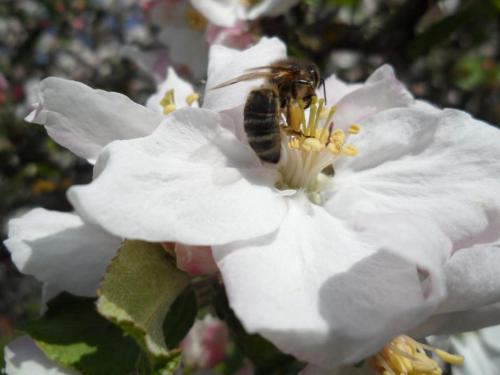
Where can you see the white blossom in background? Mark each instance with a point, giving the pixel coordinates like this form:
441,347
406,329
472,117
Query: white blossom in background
227,13
23,357
186,35
313,262
402,239
205,345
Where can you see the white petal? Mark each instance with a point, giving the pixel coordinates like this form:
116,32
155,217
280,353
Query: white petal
181,89
442,167
459,321
336,89
190,182
328,294
84,120
219,12
23,357
226,64
380,92
269,8
481,351
473,277
61,250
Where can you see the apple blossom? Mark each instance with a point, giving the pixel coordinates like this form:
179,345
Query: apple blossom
228,12
327,267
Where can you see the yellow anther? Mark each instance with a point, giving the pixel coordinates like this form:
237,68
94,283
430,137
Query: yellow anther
195,20
168,102
294,144
353,129
312,144
191,98
350,150
333,148
452,359
338,137
295,116
403,355
169,108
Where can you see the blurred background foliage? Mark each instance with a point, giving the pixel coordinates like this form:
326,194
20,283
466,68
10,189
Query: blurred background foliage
447,52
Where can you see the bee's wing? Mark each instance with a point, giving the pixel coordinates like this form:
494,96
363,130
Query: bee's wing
244,77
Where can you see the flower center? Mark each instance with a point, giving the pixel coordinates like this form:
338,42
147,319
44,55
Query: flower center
311,145
168,101
403,355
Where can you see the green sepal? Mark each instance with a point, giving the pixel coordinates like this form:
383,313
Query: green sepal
74,335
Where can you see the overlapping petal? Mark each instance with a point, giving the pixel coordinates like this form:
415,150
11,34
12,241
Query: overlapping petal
226,64
443,167
61,250
84,120
380,92
191,182
23,357
319,284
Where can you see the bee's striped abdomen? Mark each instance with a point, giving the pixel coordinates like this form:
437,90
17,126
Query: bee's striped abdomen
261,119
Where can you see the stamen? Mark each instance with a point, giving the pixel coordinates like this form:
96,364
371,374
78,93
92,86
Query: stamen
403,355
353,129
168,102
311,145
191,98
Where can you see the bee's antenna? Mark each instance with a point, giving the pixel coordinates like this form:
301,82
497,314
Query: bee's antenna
322,82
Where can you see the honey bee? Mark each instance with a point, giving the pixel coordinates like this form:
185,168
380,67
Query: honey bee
285,80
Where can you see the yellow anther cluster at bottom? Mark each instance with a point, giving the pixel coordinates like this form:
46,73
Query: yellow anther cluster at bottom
405,356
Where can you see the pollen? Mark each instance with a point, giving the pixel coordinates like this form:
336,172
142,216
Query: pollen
405,356
195,20
191,98
311,144
168,102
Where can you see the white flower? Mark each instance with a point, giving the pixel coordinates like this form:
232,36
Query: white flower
375,255
61,250
327,268
23,357
228,12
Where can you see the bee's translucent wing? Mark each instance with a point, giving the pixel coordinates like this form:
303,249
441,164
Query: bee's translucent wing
244,77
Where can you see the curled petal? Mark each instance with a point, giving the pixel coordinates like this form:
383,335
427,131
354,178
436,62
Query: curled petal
380,92
459,321
84,120
190,182
60,250
329,285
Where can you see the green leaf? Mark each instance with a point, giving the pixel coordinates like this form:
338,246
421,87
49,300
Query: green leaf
138,289
180,318
73,334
